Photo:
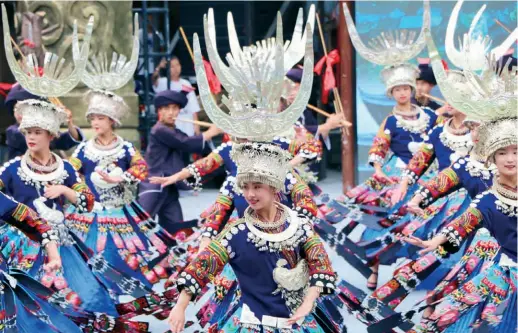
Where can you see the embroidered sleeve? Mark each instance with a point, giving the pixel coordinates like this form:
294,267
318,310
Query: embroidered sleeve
217,215
457,230
419,162
321,272
138,169
203,269
26,219
381,145
446,182
302,199
75,160
203,167
308,147
85,198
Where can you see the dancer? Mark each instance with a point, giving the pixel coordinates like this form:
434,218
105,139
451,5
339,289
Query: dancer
26,304
16,143
164,156
493,291
47,183
288,294
118,227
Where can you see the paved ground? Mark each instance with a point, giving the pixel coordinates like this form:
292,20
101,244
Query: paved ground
193,205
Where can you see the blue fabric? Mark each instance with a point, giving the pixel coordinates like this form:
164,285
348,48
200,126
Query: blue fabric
401,138
168,97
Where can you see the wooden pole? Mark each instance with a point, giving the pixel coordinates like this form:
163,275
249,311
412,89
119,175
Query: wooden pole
345,123
346,85
196,122
187,43
503,26
437,99
339,108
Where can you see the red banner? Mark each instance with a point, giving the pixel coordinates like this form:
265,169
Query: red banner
328,80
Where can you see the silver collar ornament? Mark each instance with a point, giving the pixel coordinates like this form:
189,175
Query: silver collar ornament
57,79
254,78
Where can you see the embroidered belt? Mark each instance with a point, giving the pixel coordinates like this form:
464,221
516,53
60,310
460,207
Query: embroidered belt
505,261
248,318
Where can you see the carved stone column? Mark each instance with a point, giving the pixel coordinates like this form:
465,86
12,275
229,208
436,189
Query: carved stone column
113,32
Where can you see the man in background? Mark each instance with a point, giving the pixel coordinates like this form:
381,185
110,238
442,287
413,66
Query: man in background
190,111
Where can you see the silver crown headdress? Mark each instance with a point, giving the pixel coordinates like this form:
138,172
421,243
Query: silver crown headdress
260,162
489,99
392,50
479,46
254,80
57,79
103,77
41,114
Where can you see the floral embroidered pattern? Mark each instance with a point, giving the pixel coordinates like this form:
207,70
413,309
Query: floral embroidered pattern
138,169
321,273
216,215
419,162
443,184
381,145
203,268
459,228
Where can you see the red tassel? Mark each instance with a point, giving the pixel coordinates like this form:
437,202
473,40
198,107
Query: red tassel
328,80
214,84
5,88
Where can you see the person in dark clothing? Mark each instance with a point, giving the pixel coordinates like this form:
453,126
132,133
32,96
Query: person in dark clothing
164,156
16,144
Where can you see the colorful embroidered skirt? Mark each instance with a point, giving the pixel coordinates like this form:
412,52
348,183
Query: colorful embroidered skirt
127,237
490,297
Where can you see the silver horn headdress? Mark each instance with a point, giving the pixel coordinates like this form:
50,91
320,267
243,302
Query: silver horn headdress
389,49
392,50
254,80
102,74
479,47
489,99
56,80
103,77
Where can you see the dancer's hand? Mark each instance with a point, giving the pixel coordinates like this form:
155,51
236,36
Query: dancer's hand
413,205
399,193
54,191
109,179
306,307
54,262
204,242
304,310
177,315
164,181
381,176
176,320
427,245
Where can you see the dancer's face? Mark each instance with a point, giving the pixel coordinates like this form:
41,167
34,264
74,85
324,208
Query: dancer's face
402,94
505,160
423,87
473,130
101,124
37,139
258,195
168,114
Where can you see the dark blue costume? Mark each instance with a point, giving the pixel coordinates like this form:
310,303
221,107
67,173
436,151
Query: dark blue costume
164,156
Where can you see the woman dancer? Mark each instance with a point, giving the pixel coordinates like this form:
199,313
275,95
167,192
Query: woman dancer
290,263
47,183
118,227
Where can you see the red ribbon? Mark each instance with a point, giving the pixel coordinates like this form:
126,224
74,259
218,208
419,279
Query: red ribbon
214,84
226,138
29,43
328,80
4,88
444,64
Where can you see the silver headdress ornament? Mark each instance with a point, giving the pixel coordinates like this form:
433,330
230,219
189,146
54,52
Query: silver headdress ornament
489,99
56,80
41,114
254,80
260,162
103,77
392,50
479,47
